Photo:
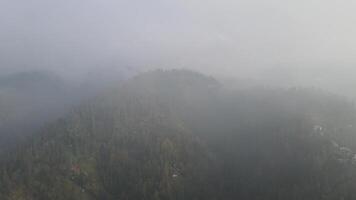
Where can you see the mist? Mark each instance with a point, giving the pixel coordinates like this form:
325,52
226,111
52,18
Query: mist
276,42
177,99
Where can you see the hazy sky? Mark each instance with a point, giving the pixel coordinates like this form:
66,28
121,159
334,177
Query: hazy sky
229,37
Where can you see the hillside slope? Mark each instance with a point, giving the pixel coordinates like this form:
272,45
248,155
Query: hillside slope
180,135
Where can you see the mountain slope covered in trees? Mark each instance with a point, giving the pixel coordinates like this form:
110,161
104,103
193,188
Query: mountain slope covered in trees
169,135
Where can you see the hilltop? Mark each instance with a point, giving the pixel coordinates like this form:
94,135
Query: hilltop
179,134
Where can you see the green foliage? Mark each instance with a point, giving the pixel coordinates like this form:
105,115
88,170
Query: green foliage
177,135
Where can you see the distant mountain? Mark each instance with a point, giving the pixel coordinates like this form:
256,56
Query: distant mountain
180,135
28,100
30,79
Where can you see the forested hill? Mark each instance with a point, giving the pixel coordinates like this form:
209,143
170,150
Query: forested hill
169,135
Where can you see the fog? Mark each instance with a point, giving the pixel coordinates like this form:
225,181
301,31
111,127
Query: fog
177,99
86,46
279,42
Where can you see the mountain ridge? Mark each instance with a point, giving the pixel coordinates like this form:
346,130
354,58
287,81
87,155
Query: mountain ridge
180,135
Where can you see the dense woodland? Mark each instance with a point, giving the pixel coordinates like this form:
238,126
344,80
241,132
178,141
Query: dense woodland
180,135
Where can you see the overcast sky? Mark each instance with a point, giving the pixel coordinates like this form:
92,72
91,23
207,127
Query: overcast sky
227,37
